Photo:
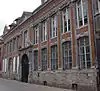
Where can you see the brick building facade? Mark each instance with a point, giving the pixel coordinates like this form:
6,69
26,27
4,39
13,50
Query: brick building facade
54,44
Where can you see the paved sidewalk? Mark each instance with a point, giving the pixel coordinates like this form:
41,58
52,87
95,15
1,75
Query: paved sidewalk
11,85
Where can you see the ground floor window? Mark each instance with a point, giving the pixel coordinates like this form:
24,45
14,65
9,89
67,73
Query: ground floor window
67,55
54,58
84,52
44,59
35,60
10,65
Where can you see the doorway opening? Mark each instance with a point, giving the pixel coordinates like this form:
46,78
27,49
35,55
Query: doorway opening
25,68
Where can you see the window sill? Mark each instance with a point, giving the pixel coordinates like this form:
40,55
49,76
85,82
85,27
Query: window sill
66,32
43,41
36,44
82,27
53,37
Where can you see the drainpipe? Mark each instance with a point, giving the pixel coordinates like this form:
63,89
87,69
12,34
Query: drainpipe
97,63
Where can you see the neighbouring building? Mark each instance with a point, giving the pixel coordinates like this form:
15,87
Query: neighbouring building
57,45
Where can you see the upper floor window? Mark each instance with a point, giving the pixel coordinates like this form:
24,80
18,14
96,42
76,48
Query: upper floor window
25,38
66,20
14,44
44,31
84,52
18,42
10,43
82,12
36,34
54,26
97,6
8,47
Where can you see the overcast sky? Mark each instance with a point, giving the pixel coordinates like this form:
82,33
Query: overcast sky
11,9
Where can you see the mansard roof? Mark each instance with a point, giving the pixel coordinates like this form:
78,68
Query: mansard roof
17,21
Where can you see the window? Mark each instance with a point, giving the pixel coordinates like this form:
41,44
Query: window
97,6
66,20
44,59
36,34
84,52
10,43
25,39
14,44
54,26
10,65
54,58
82,12
44,31
18,42
8,47
67,55
16,64
35,60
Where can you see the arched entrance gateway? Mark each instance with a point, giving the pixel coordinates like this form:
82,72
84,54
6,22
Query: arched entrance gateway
25,68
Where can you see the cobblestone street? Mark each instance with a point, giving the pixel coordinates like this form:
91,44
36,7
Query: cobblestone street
9,85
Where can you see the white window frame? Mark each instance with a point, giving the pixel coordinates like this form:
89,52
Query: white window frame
67,14
67,48
54,57
25,38
54,26
36,31
81,5
85,53
44,32
44,59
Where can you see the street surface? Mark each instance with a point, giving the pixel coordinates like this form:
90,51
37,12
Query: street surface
10,85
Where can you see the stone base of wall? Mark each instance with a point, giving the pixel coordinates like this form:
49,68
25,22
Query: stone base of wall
12,76
84,79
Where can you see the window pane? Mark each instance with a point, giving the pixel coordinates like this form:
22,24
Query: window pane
83,64
87,57
87,49
88,64
82,50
